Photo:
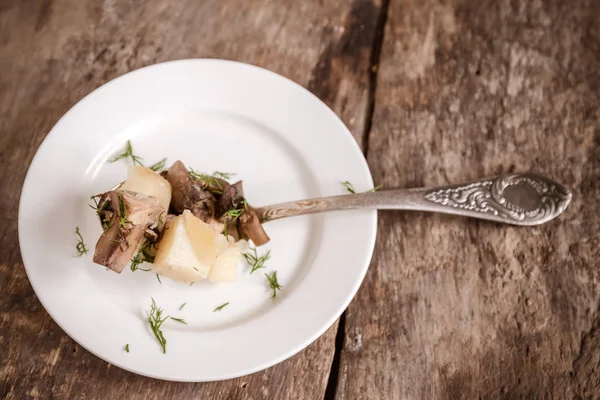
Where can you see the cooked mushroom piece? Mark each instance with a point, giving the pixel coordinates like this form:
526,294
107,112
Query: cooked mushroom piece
232,197
228,226
251,228
131,216
187,193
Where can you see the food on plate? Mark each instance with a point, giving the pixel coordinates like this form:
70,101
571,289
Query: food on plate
129,219
191,226
146,181
225,267
191,250
216,202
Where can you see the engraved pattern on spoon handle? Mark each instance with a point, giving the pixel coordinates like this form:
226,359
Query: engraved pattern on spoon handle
519,199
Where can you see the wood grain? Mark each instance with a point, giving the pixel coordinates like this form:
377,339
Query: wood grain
53,52
451,308
461,309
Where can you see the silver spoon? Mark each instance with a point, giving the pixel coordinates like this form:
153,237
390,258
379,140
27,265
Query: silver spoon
518,199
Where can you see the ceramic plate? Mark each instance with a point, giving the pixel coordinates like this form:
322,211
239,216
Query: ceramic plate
281,141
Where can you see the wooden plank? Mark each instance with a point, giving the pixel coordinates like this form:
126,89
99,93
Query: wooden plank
52,53
460,309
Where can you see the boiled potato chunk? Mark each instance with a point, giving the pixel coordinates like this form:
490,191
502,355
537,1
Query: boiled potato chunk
191,250
144,180
207,243
225,267
187,250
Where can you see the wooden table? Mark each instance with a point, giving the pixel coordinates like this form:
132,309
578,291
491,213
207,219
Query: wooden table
434,91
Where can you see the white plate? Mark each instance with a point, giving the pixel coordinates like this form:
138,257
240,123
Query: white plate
213,115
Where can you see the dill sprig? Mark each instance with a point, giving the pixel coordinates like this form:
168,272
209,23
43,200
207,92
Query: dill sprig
233,215
127,153
273,284
121,241
93,198
99,208
127,347
181,321
223,175
181,306
124,221
158,279
197,175
136,261
96,205
210,182
122,210
222,306
156,319
81,249
349,187
146,252
158,166
255,261
141,257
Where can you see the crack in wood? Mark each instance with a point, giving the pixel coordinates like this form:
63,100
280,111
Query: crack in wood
373,71
376,47
335,364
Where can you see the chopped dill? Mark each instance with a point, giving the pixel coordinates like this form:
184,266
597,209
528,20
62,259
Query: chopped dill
211,183
223,175
181,321
158,166
273,284
127,347
221,307
181,306
127,153
122,210
96,205
255,261
106,223
80,246
121,241
349,187
141,257
155,319
233,215
158,279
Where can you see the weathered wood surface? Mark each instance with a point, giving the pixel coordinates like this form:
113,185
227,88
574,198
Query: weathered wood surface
451,308
52,53
455,308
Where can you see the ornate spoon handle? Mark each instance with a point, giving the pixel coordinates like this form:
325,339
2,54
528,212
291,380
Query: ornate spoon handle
518,199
